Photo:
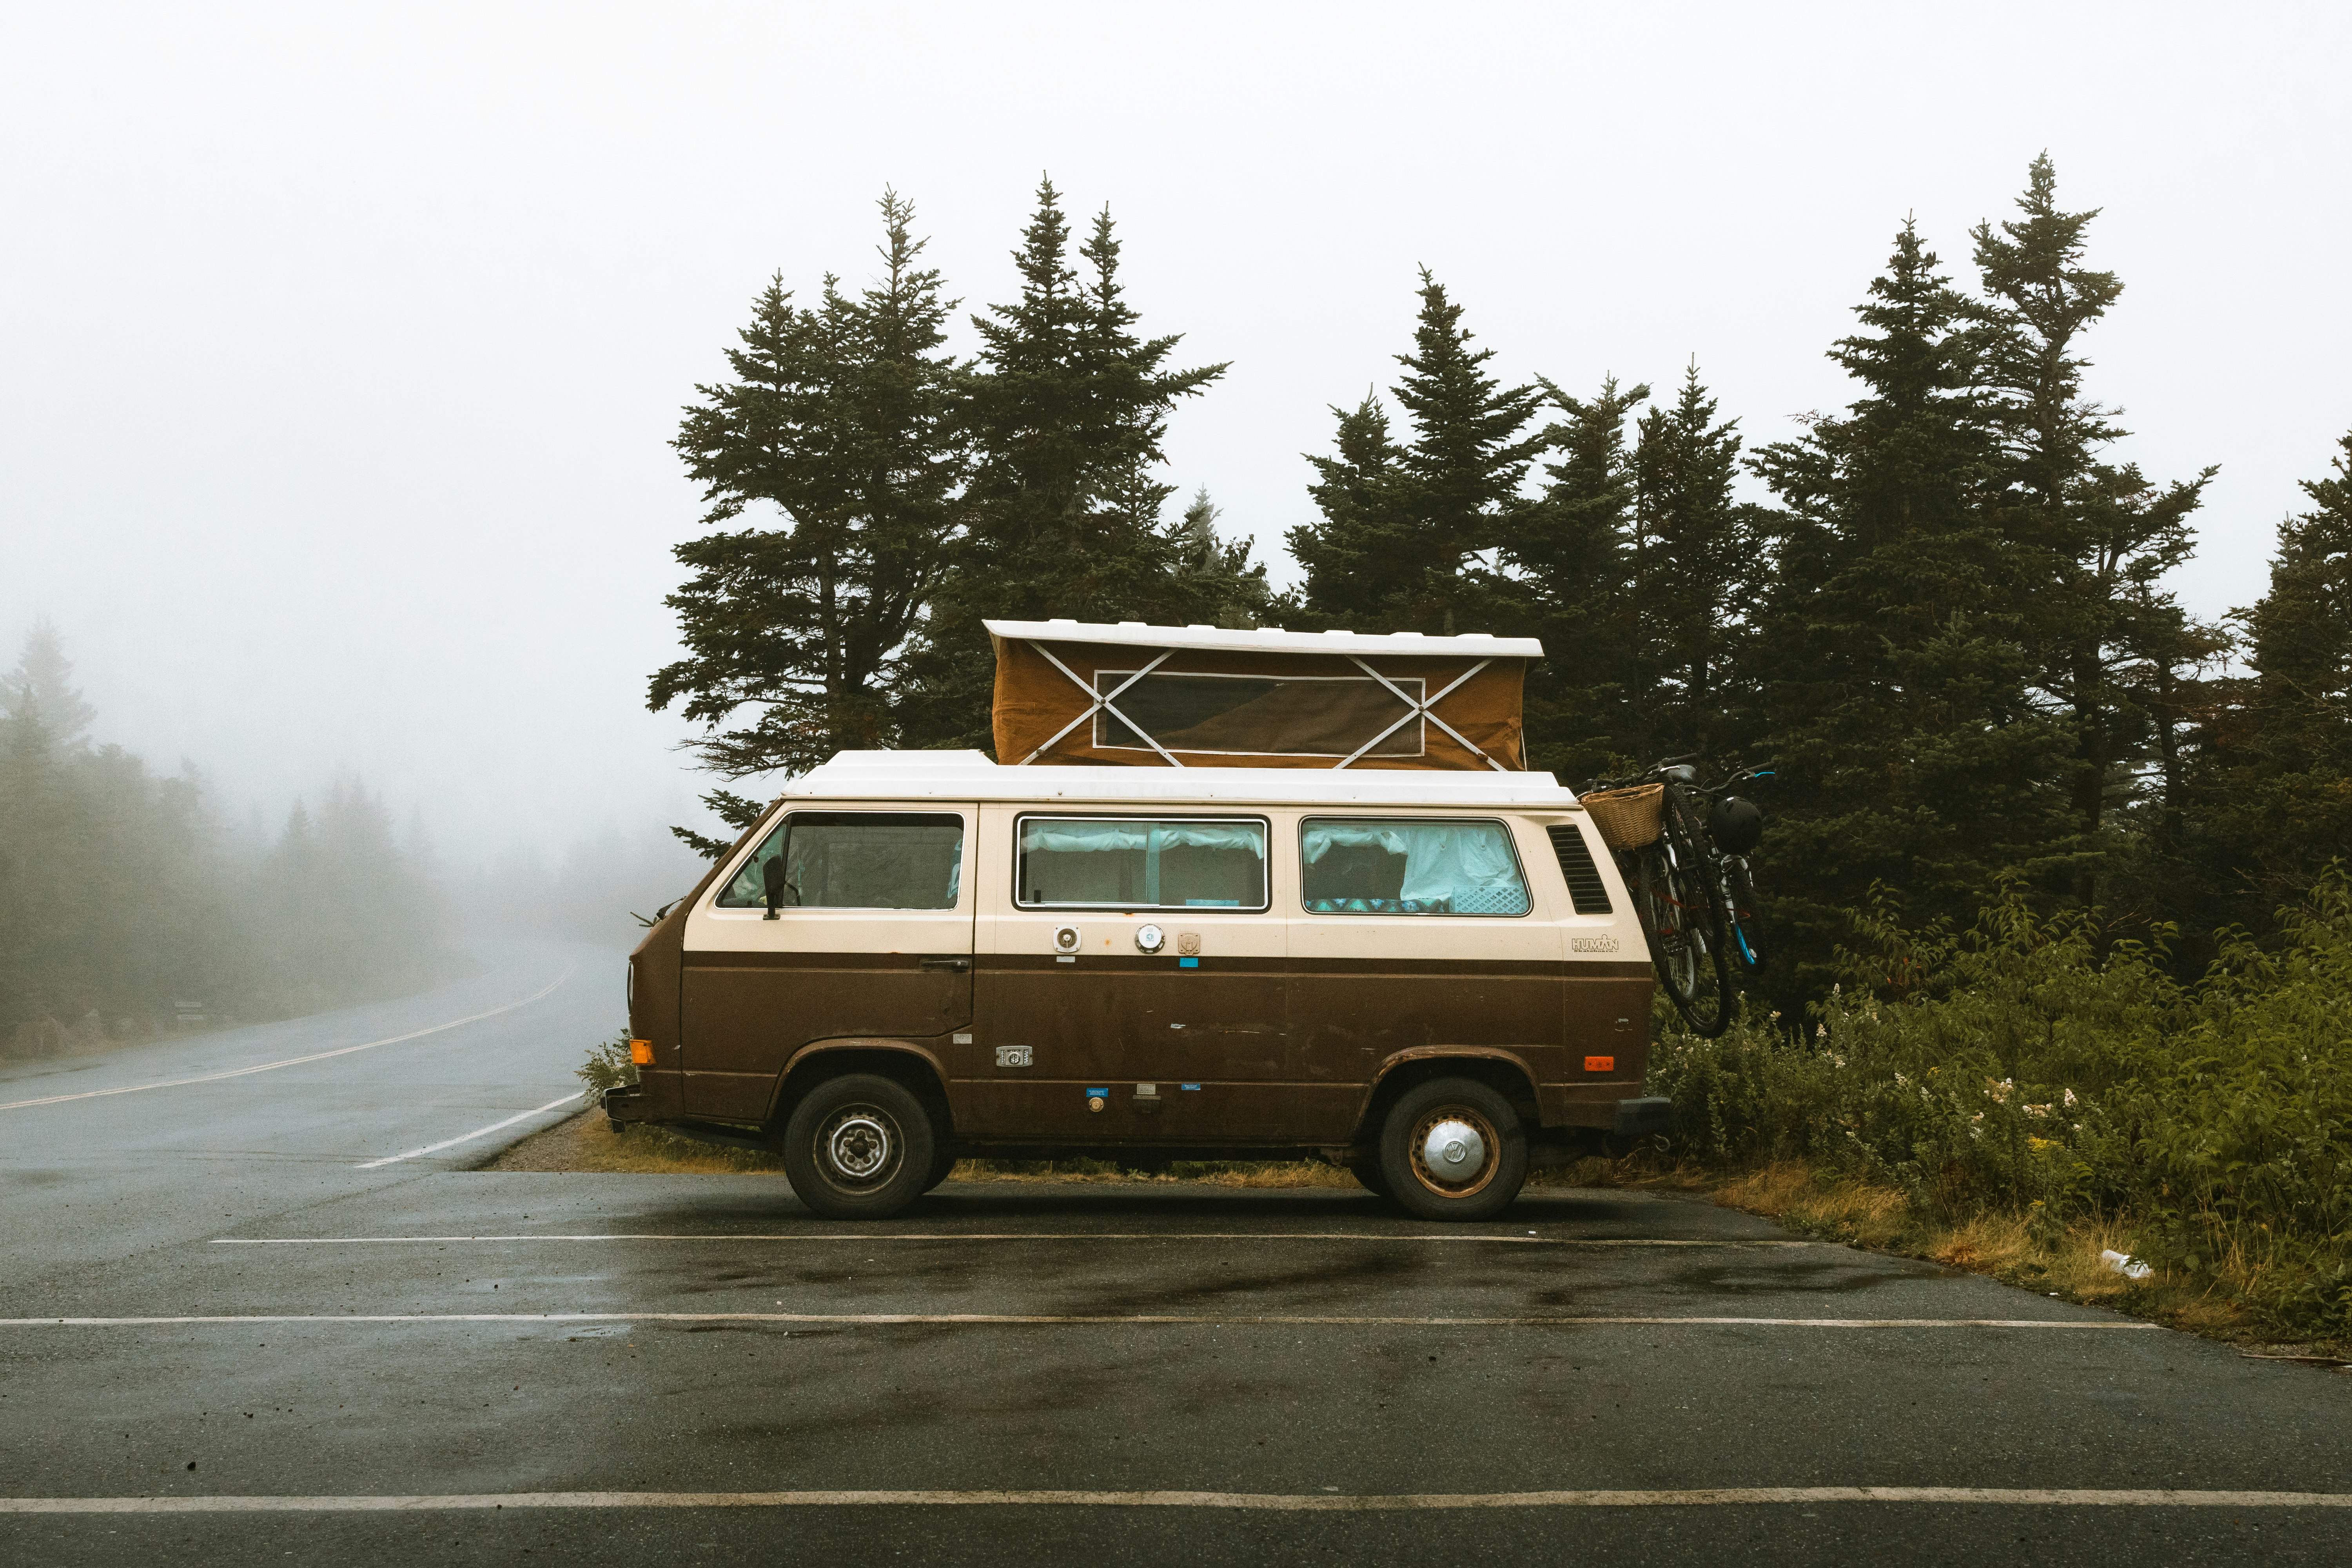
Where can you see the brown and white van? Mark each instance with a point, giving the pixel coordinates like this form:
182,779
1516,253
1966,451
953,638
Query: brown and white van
1432,977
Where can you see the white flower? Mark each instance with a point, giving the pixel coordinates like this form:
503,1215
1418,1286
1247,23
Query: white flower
2070,1097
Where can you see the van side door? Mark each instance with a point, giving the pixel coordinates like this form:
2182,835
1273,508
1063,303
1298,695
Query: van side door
870,938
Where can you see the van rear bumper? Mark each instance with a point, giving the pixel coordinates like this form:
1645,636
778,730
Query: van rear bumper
1640,1118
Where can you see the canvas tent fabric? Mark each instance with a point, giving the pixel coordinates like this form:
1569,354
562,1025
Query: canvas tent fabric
1143,696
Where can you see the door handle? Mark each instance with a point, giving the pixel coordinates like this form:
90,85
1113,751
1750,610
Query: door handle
955,965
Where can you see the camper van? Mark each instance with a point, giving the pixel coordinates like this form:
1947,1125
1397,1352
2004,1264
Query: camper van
1429,974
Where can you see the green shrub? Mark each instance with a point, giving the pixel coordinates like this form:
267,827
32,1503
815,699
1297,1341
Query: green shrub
608,1067
2024,1067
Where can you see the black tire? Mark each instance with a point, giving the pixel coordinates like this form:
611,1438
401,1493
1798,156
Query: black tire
859,1147
1682,919
1487,1186
944,1163
1368,1174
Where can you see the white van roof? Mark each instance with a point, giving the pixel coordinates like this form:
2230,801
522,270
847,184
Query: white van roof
1270,639
969,775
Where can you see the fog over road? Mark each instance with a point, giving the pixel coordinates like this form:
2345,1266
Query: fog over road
225,1284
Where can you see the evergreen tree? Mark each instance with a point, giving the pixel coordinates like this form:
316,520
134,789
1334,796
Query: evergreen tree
41,688
1066,417
2105,537
1896,686
1576,551
843,419
1411,546
2272,788
1699,564
1217,580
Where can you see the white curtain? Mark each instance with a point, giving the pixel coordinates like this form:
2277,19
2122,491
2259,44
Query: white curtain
1468,863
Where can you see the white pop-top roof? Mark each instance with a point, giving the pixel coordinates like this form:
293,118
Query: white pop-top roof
969,775
1475,645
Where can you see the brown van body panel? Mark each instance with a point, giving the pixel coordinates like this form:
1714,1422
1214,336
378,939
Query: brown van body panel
1256,1046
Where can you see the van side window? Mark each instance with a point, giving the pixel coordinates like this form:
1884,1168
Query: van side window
858,860
1409,866
1141,863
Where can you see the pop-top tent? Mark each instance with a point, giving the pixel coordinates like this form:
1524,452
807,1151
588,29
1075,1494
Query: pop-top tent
1141,696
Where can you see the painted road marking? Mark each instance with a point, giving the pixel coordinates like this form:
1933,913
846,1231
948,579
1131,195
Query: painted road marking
295,1061
970,1236
1279,1502
469,1137
877,1319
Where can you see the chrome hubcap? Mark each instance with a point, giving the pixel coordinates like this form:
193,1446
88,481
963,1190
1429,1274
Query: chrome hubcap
861,1145
1455,1152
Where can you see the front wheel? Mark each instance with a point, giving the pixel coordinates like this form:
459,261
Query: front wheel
1454,1148
860,1146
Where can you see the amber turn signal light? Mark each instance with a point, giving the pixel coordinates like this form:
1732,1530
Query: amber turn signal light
1601,1064
642,1052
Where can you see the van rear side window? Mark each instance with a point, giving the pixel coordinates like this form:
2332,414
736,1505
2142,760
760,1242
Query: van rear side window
858,860
1141,863
1409,866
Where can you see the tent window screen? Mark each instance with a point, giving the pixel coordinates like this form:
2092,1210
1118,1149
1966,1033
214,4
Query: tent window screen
858,860
1141,863
1409,865
1259,715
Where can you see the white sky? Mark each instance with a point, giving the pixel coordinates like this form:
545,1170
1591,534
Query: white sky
339,346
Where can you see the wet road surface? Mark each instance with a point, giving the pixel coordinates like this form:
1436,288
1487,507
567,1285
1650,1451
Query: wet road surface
234,1331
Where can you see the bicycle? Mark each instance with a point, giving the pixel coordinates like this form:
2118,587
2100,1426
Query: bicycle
1687,868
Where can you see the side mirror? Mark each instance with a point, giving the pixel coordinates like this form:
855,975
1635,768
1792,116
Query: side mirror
772,878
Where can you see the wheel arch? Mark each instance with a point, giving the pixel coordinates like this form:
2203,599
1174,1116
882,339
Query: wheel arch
1499,1069
907,1063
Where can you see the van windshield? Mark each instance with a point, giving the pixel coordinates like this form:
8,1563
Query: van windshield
858,860
1143,863
1409,866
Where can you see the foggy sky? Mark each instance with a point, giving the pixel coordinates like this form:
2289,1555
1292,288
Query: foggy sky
340,347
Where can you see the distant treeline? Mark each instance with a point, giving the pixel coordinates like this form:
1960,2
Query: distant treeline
127,907
1950,629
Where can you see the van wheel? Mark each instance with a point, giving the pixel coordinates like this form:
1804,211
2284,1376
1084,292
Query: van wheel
1454,1148
1368,1176
943,1165
859,1147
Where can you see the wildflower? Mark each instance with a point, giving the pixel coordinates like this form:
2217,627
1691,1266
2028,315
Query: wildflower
1837,1061
2037,1110
1902,1082
2070,1097
1999,1091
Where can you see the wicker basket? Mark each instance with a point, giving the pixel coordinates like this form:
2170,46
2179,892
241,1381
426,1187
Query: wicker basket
1628,818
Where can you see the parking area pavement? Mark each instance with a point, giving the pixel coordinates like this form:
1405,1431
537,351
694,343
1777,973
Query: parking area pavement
417,1359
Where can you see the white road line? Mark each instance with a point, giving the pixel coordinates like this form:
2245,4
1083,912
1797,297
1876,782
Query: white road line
1276,1502
295,1061
860,1235
984,1319
469,1137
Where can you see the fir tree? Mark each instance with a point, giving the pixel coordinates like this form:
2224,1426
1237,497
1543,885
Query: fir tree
1576,551
1699,564
2102,622
1896,686
1217,580
1067,418
841,418
41,688
1413,558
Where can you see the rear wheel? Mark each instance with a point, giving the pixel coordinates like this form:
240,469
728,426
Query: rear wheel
1684,928
1454,1148
1368,1174
860,1146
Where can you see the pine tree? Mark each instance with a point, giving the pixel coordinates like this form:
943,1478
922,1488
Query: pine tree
41,687
1217,580
2106,537
1576,551
843,418
1895,686
1411,546
1700,560
2271,790
1067,418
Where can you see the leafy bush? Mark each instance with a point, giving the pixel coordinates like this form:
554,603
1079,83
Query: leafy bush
608,1067
2023,1066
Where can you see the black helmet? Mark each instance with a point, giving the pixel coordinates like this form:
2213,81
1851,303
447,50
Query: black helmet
1736,825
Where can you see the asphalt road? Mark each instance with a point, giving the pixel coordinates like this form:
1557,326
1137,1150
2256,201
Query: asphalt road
220,1289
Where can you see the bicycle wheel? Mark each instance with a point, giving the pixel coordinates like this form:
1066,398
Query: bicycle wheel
1678,919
